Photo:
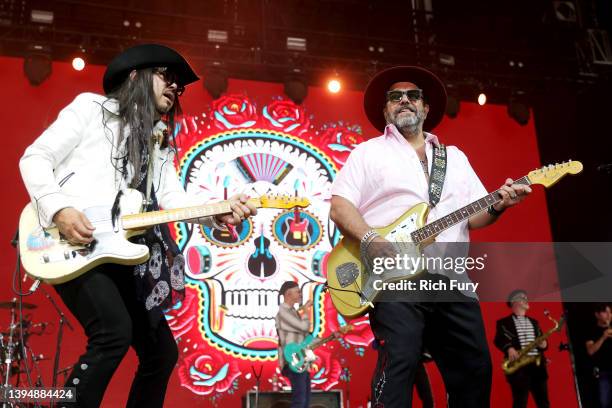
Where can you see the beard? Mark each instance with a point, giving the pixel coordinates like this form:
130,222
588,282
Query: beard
406,122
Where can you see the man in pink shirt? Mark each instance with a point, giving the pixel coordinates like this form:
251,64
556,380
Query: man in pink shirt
383,178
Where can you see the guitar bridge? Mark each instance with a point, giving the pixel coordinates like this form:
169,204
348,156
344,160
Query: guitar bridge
347,273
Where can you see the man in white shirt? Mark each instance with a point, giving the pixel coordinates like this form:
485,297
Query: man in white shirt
99,146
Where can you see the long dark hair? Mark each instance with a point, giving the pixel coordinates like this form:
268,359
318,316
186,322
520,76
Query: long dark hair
137,116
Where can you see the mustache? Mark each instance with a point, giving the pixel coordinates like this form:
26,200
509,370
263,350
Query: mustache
406,107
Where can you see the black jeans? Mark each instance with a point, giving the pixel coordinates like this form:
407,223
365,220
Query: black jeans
529,379
104,302
455,337
300,387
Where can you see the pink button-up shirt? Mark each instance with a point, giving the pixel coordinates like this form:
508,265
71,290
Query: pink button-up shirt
383,178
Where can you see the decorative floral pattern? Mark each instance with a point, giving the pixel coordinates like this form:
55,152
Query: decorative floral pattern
206,373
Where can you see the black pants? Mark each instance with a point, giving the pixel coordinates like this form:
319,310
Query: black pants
529,379
104,302
455,337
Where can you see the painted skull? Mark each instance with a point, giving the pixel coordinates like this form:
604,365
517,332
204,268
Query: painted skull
239,273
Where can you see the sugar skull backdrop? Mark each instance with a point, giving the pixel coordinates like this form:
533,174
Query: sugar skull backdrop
225,324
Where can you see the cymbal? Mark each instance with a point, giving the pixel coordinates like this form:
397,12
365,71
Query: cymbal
10,305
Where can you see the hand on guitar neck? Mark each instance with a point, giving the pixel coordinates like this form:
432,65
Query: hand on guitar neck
241,209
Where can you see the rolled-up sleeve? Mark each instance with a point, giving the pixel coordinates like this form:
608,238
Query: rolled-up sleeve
349,180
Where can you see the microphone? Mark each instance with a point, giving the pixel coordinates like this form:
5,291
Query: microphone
605,168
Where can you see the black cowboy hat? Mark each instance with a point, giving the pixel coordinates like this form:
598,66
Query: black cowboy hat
375,96
146,56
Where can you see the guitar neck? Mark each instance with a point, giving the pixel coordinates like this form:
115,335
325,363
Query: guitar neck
320,342
145,220
436,227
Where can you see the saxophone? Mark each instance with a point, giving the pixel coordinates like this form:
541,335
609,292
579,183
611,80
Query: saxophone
524,359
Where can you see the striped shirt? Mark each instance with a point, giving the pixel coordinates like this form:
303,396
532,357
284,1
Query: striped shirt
526,333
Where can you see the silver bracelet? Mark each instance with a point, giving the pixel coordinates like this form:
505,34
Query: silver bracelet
367,239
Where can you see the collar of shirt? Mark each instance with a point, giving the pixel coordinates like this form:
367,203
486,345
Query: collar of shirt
392,133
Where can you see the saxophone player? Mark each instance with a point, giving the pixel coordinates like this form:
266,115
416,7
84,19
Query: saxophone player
513,333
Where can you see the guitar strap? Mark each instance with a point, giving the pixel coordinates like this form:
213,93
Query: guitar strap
438,174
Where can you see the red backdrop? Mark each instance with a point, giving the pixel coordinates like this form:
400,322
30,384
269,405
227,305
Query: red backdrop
496,145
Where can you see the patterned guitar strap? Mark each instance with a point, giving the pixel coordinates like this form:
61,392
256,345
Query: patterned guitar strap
438,174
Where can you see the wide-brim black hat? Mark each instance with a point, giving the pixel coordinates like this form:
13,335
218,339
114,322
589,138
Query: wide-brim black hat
375,96
146,56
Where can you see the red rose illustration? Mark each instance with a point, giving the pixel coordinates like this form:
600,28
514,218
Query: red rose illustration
338,142
233,111
205,373
286,116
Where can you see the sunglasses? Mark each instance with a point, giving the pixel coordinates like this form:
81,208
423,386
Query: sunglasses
413,95
169,78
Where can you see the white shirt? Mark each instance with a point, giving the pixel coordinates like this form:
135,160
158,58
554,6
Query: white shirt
78,150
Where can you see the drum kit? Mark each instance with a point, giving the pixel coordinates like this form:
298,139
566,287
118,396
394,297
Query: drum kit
18,358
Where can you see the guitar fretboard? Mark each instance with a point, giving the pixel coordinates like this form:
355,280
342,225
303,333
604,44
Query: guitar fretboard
149,219
436,227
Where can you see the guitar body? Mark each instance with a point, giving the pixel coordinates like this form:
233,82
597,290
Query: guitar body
351,287
298,355
345,270
48,257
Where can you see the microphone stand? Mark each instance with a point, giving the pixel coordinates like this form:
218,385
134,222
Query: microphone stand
257,380
60,333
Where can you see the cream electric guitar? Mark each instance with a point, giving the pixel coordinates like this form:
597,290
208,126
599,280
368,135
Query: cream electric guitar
351,286
47,256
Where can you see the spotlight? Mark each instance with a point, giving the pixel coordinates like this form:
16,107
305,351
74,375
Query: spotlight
41,16
217,36
296,87
518,111
78,63
215,81
37,64
334,86
452,107
482,98
565,11
296,44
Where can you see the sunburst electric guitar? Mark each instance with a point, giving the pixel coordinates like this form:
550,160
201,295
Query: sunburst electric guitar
351,285
47,256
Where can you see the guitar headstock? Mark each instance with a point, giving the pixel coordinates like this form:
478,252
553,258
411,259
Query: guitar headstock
283,201
549,175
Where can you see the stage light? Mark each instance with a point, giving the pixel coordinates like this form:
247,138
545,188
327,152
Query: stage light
296,87
482,98
37,64
565,11
217,36
215,81
78,63
296,44
334,86
446,59
41,16
518,111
